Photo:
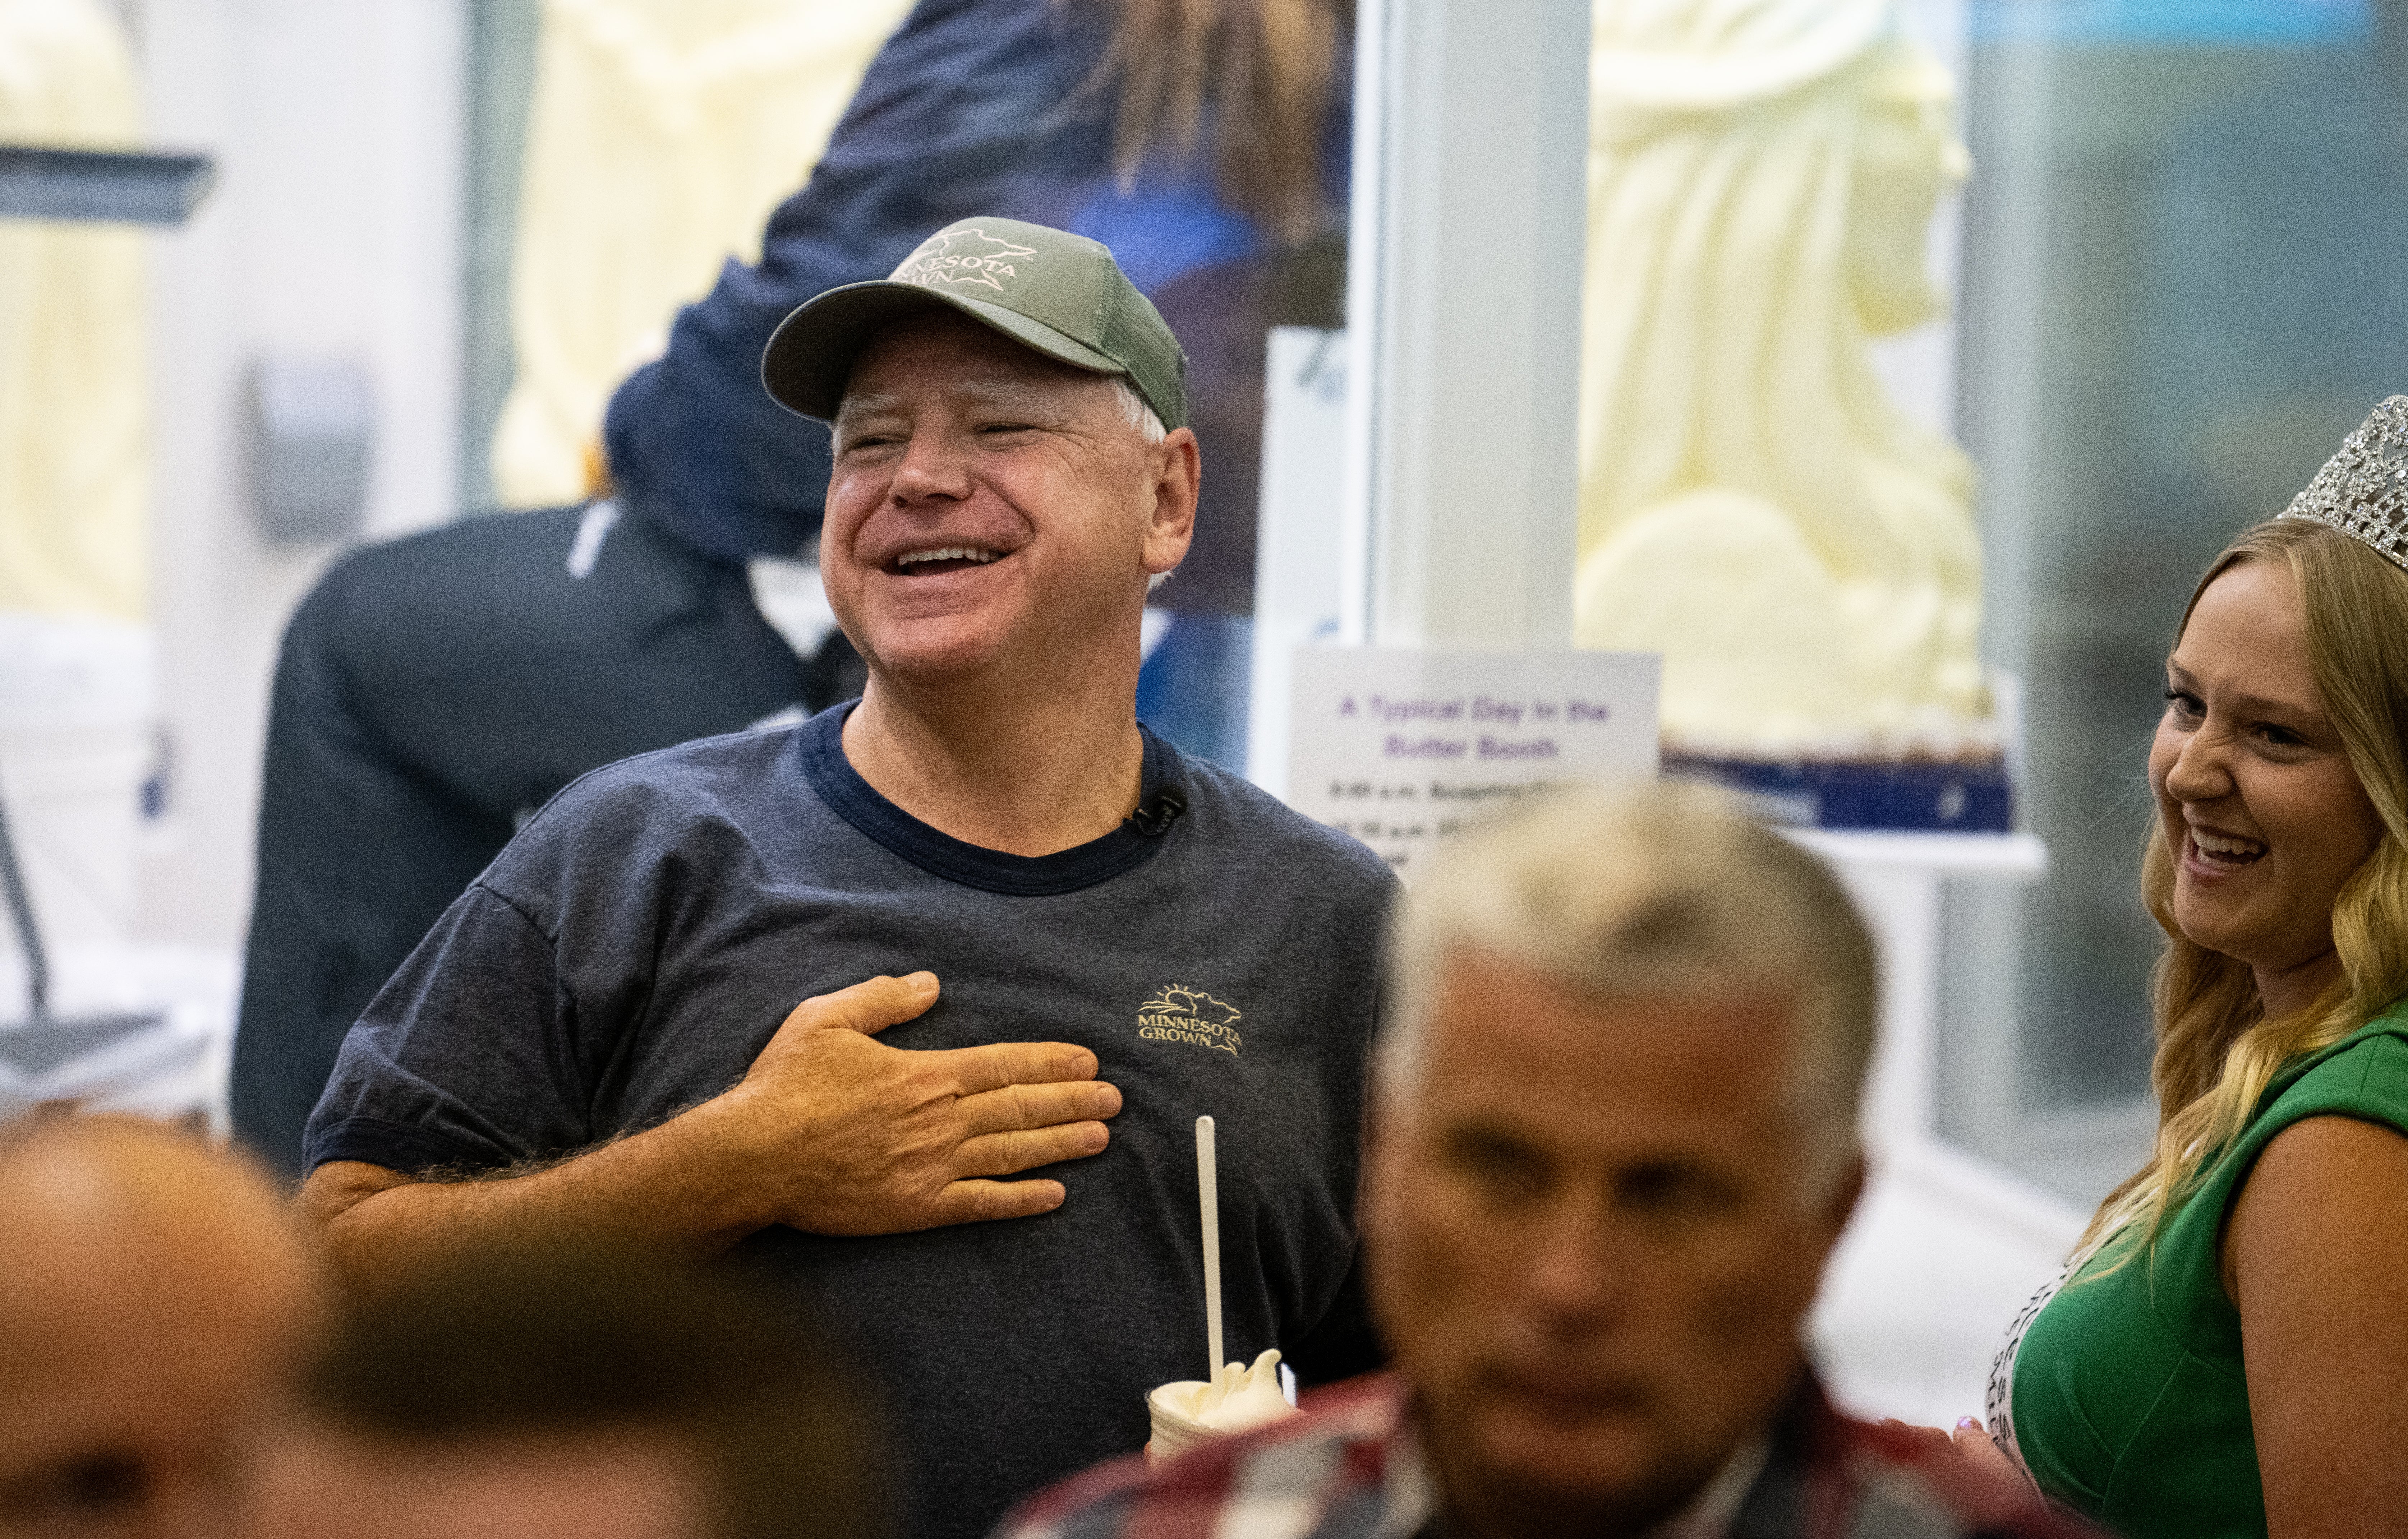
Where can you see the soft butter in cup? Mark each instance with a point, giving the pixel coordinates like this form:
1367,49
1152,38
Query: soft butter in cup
1174,1432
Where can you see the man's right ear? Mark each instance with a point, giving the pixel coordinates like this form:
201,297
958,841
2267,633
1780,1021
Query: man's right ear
1170,527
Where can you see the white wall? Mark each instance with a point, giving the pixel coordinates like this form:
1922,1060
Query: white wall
335,230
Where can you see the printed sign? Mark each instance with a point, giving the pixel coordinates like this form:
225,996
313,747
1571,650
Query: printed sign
1402,748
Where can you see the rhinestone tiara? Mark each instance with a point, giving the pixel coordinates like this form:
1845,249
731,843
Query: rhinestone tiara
2363,489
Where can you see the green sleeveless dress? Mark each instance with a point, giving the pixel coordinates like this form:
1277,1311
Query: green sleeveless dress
2127,1400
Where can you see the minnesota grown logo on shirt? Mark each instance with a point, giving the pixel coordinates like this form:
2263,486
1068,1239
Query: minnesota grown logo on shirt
1181,1014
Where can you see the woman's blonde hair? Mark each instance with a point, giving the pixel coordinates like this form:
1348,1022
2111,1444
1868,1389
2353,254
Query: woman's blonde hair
1268,69
2217,1051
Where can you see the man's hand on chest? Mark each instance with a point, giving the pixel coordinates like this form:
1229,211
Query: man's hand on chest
846,1135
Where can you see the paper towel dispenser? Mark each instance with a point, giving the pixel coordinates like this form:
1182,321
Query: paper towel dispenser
311,424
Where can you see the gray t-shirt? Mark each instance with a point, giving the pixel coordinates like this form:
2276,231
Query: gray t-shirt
636,946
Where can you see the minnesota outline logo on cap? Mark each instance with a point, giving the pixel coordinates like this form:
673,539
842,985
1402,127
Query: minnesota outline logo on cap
936,262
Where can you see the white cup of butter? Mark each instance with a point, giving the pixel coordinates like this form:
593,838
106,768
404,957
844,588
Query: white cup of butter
1188,1413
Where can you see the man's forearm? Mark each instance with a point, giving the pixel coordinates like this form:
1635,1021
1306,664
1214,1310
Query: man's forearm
830,1132
675,1184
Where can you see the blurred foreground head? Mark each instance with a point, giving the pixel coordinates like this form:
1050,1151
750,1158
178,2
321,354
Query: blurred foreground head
1615,1140
153,1303
532,1389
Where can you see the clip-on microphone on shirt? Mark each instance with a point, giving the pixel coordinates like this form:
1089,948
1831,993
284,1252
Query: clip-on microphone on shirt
1154,816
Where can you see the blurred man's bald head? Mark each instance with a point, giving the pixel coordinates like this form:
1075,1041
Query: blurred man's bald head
152,1301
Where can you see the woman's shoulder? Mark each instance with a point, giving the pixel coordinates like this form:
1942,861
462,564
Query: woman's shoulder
2364,1077
2364,1074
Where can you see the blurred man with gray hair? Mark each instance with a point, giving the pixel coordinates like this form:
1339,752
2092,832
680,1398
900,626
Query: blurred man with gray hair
1614,1142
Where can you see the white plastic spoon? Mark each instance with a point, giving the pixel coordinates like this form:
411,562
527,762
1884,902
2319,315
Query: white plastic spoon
1208,1194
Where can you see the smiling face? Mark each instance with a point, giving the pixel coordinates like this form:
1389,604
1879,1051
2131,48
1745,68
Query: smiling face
1589,1247
2255,797
994,514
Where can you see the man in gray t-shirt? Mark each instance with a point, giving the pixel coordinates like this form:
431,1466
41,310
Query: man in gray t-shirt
1010,915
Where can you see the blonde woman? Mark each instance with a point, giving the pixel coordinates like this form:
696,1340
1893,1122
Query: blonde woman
2230,1355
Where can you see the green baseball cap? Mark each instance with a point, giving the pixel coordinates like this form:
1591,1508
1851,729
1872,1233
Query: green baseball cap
1052,291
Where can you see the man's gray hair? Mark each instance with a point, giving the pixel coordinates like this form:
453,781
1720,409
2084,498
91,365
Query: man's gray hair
1646,892
1140,416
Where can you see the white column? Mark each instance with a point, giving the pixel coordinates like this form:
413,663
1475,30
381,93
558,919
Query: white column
333,232
1463,302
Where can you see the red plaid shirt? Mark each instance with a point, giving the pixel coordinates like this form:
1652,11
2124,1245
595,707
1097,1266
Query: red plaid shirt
1352,1469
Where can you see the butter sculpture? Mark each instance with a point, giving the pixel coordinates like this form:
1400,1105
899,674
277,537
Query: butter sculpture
75,325
659,136
1753,505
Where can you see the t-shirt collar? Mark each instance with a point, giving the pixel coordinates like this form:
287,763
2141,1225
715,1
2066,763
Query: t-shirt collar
820,744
